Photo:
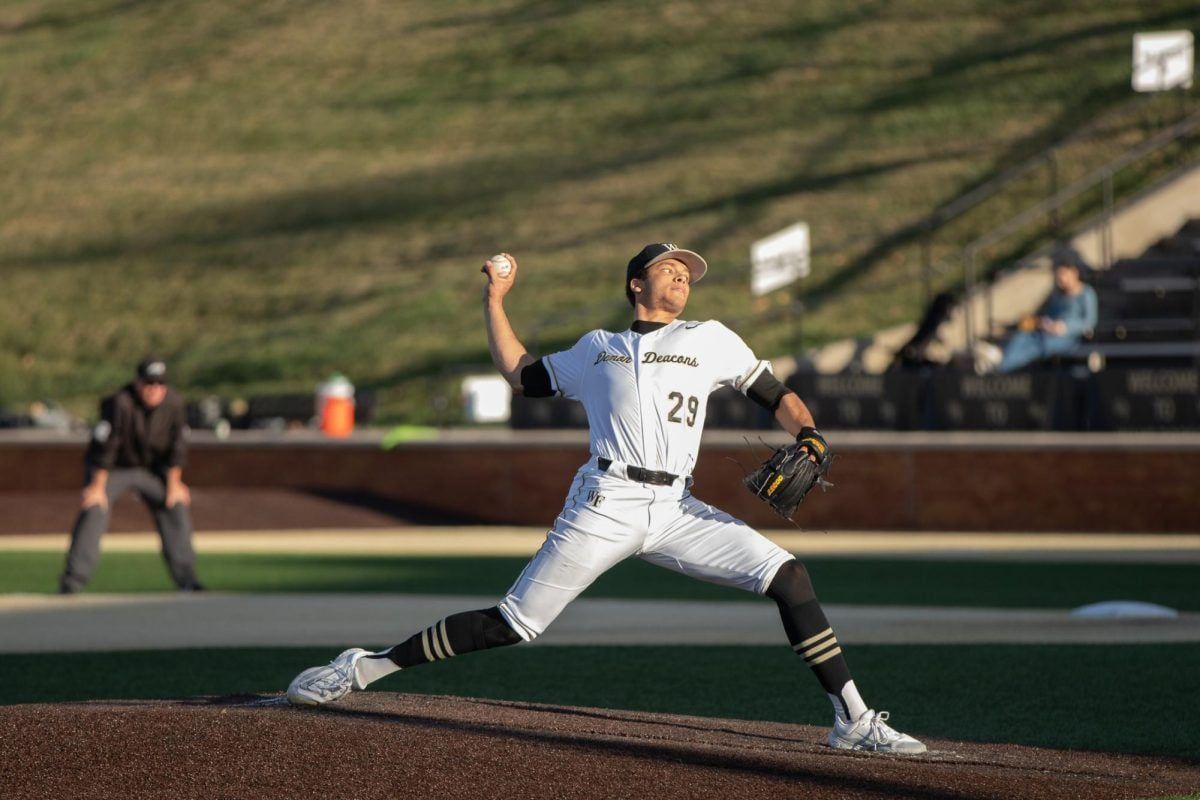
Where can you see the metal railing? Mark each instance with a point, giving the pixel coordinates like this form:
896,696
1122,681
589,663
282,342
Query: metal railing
929,227
1046,159
1049,208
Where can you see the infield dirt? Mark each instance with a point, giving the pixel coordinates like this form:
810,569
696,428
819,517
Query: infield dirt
378,744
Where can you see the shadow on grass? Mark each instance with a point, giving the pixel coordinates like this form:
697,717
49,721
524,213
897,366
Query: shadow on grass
406,513
60,19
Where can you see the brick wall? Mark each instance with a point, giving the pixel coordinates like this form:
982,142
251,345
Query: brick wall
883,482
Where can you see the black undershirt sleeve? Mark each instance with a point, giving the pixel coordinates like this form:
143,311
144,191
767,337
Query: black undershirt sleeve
535,380
767,391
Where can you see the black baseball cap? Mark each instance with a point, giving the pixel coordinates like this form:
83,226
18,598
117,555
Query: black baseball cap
152,370
654,253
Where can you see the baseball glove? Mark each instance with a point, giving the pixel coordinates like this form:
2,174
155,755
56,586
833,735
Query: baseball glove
783,480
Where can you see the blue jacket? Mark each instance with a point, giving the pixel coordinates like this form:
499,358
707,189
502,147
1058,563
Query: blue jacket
1079,311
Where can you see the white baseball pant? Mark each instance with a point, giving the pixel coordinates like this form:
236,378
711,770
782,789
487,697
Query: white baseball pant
608,518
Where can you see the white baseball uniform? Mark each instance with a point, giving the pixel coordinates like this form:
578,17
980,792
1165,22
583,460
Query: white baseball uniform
646,395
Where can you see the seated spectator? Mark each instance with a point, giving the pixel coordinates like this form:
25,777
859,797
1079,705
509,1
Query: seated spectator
1062,321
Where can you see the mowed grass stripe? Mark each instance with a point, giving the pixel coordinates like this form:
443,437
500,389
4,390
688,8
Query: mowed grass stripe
866,581
1045,695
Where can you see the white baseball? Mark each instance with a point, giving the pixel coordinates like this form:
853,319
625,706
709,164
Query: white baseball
501,265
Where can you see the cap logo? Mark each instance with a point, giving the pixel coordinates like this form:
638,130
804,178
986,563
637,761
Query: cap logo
156,369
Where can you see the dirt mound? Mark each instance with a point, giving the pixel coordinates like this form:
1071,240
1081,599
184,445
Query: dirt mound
379,744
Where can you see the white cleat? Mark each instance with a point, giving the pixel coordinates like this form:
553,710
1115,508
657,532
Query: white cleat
872,733
318,685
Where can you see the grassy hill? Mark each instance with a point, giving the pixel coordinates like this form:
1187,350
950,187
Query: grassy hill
264,192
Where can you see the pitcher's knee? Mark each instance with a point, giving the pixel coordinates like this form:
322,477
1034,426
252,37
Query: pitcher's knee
791,584
495,630
524,629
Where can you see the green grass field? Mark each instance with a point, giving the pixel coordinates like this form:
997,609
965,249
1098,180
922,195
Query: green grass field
837,580
264,193
1094,698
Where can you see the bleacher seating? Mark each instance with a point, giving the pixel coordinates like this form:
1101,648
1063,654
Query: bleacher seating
1150,305
1184,243
1147,375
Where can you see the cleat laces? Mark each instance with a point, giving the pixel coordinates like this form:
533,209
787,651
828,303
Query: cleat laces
880,732
330,680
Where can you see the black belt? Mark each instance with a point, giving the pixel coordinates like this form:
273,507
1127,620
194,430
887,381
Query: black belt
640,475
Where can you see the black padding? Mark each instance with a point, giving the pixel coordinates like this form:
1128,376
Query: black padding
488,628
791,585
767,391
535,380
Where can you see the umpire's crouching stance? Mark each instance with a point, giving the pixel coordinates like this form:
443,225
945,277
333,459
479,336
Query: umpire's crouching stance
139,444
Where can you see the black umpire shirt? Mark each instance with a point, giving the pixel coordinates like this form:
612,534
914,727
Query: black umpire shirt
131,435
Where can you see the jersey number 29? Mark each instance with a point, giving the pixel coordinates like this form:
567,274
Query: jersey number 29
693,405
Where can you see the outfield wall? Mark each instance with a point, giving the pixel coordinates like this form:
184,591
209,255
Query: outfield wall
884,481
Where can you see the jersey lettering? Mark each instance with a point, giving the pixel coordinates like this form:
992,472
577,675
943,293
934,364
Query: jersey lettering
646,394
652,357
617,357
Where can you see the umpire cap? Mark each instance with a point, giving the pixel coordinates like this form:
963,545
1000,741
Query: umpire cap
152,370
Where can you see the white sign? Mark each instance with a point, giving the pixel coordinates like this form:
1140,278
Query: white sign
1163,60
779,259
488,398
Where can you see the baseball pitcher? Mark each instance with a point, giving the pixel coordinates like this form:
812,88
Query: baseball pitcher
645,391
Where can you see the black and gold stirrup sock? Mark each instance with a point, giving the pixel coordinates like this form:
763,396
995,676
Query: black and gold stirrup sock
452,636
813,639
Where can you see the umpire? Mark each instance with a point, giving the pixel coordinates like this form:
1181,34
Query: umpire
140,443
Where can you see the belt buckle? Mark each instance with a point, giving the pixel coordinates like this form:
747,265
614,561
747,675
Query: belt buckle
657,477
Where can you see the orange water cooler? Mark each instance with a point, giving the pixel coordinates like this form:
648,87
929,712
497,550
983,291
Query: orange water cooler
335,406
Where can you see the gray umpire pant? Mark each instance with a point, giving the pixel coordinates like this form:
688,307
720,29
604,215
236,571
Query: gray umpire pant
174,528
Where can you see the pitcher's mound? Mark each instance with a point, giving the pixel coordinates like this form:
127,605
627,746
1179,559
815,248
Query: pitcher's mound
384,745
